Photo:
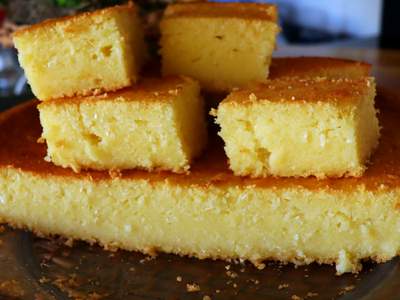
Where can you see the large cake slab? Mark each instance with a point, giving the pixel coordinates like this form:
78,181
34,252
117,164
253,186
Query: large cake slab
209,212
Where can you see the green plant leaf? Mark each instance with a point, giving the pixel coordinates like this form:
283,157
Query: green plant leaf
68,3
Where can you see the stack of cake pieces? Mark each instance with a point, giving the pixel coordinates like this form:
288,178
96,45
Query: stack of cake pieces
124,160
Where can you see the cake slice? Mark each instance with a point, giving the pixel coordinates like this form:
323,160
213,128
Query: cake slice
83,54
209,213
300,127
223,45
156,124
329,67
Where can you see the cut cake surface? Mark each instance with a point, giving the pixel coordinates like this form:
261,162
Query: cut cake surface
83,54
300,127
209,212
156,124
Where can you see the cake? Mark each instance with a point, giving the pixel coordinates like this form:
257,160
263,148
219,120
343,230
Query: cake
300,127
209,213
82,54
156,124
318,67
223,45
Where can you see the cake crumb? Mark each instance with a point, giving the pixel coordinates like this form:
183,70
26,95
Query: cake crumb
311,294
217,291
69,243
252,97
283,286
115,173
295,297
227,267
173,92
260,266
151,252
255,281
206,297
231,274
213,112
147,258
97,92
192,287
346,289
179,278
44,280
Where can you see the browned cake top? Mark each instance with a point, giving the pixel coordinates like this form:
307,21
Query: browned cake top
147,90
227,10
20,129
293,90
83,16
315,66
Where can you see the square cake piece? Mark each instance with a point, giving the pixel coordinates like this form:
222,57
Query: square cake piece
83,54
329,67
300,127
223,45
157,124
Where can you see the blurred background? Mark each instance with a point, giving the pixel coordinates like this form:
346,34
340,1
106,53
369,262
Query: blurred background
309,27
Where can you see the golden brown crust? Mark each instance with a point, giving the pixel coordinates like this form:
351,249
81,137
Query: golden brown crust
87,15
20,129
314,66
147,90
257,11
294,89
89,92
